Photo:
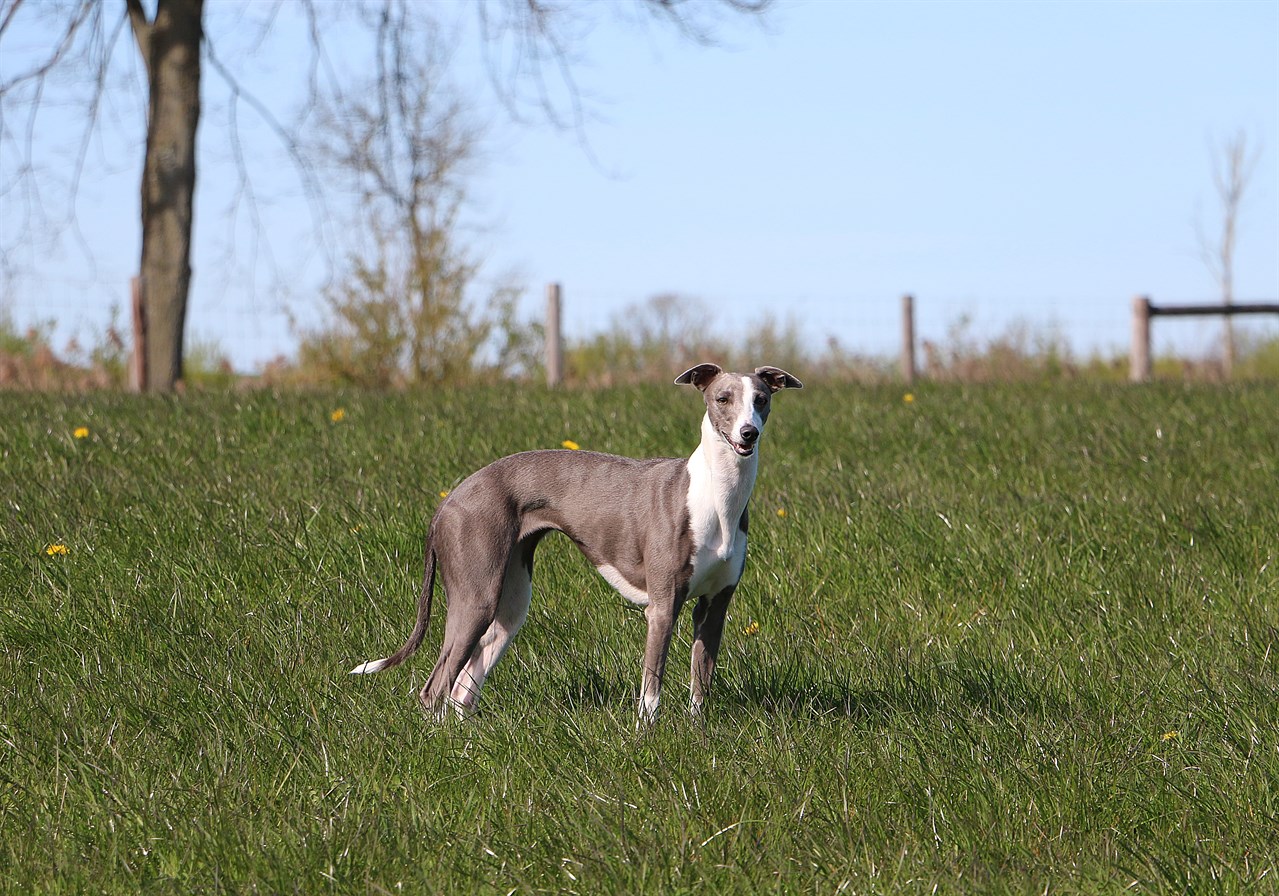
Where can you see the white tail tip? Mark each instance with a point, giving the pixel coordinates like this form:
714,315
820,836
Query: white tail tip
370,667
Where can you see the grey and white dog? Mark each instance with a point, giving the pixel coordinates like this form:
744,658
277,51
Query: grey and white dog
661,531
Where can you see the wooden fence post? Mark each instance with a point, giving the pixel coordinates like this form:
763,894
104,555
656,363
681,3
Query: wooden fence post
1139,352
908,339
554,342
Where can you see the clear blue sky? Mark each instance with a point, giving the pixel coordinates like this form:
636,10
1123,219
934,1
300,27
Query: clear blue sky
1038,162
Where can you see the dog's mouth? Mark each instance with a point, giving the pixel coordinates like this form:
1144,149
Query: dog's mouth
742,449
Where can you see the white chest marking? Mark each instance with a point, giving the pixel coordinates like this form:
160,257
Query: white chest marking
719,486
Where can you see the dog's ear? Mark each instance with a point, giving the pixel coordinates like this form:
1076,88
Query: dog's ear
699,376
777,379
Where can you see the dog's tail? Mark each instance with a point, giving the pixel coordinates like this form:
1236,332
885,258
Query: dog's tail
419,629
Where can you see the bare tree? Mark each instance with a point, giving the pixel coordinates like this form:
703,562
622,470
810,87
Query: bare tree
169,45
405,144
173,46
1233,167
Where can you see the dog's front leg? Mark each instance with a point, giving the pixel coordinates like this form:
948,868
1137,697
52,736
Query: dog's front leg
661,614
708,629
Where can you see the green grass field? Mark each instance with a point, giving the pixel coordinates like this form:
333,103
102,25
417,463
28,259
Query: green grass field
1010,639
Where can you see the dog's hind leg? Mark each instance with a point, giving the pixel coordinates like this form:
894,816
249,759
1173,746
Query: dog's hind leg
512,610
473,575
463,630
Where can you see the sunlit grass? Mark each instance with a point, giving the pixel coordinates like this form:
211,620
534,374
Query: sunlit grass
997,639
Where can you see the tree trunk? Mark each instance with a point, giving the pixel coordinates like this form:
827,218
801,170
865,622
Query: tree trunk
170,47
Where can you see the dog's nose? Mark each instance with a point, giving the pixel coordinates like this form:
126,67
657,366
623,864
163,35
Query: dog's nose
749,434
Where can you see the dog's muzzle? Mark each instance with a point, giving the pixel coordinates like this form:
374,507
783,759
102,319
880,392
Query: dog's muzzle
749,435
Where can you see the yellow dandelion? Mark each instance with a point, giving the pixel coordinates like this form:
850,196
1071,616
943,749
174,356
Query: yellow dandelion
751,629
570,445
781,511
1170,735
444,494
81,432
338,415
909,398
57,550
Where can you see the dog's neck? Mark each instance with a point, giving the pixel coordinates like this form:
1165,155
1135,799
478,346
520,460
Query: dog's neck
722,482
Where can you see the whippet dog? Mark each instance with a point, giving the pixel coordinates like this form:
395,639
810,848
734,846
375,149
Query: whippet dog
661,531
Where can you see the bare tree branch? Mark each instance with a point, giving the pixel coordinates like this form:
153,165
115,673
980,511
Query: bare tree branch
80,41
8,16
311,187
86,10
534,49
536,35
1233,167
141,31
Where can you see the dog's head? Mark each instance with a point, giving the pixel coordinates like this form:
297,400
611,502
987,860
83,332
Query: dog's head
737,404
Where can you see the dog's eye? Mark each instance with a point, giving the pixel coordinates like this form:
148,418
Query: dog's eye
759,401
722,398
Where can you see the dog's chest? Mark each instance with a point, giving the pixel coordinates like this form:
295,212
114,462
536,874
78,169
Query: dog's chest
712,571
716,503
